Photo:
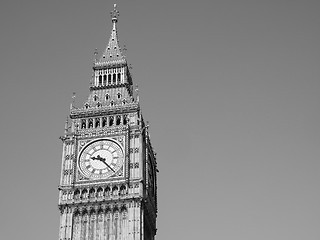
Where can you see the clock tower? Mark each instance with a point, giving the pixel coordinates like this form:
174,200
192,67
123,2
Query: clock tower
108,184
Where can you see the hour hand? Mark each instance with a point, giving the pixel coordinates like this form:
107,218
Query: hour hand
101,159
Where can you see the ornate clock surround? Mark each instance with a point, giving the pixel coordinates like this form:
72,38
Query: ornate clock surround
122,173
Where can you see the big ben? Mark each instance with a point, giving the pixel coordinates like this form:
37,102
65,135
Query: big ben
108,184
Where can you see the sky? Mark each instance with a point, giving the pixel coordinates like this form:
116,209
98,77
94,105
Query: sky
231,91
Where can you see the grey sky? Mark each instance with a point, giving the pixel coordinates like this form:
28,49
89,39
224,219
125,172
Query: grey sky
231,90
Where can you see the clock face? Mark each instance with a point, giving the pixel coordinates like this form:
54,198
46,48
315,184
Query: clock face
101,159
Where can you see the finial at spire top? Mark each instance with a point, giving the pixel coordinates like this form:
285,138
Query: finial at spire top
114,13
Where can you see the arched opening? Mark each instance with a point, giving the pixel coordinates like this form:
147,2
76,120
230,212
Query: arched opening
116,213
114,78
109,79
76,213
104,79
123,190
76,194
76,219
107,192
92,213
83,124
115,191
100,215
108,214
100,192
100,80
104,122
64,196
97,122
92,193
124,212
111,120
100,212
70,195
84,194
90,125
119,77
125,121
118,121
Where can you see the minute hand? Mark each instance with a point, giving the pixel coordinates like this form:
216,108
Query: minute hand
104,161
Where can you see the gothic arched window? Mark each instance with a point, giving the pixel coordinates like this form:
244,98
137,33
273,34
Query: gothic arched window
114,78
119,95
123,190
116,215
119,77
115,191
124,213
90,123
100,192
111,121
83,124
104,122
84,194
109,79
104,79
76,194
125,120
97,122
92,193
100,80
118,121
100,215
107,192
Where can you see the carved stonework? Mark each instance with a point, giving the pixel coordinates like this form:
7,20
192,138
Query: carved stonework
81,177
105,149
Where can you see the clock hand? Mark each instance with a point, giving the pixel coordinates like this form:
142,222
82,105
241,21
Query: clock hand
104,161
98,158
101,159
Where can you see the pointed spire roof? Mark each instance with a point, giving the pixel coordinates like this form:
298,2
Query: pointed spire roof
112,53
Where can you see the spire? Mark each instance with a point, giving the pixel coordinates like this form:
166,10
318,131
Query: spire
113,53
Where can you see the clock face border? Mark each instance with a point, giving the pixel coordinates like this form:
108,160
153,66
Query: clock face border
119,172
